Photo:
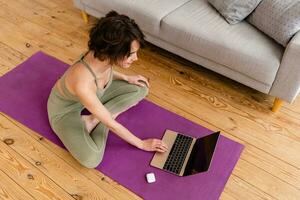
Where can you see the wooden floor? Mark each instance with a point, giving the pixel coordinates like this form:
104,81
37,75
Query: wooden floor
31,167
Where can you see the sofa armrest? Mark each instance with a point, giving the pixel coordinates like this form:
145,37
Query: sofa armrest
286,85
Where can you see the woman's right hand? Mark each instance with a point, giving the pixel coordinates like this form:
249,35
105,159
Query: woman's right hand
154,145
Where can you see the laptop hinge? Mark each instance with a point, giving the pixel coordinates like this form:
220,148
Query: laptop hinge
187,157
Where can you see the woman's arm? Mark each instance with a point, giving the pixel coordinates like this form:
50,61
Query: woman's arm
91,102
135,79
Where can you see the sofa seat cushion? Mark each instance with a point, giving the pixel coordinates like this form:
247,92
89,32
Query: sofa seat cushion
146,13
198,28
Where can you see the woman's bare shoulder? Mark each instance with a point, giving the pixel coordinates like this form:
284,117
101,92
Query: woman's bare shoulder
79,72
78,76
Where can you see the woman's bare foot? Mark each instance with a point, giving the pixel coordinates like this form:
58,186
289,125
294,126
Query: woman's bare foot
90,122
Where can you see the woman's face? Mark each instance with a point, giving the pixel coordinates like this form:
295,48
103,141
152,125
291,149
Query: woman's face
128,60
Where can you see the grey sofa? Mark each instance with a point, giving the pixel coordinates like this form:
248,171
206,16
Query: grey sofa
193,29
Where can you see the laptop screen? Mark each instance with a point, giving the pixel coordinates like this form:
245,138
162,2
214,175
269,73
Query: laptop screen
201,154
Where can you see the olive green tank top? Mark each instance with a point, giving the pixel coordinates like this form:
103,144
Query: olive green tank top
99,91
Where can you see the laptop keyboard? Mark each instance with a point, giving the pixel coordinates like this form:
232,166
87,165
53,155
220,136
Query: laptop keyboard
178,153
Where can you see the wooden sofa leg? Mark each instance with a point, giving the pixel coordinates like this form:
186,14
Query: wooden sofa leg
277,104
85,16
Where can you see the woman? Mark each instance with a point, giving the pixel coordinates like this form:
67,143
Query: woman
91,83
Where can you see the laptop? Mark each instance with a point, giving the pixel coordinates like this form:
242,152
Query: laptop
186,155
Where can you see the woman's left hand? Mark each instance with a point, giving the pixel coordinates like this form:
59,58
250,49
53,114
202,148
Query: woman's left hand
138,80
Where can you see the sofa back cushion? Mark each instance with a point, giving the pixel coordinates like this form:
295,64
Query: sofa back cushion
147,13
234,11
277,18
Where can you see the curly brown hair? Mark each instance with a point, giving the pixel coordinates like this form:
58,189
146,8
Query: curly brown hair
112,35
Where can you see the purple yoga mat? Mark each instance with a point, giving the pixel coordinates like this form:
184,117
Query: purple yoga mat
23,96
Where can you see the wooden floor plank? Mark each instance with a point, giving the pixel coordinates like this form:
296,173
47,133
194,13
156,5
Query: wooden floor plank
32,39
12,37
11,190
9,58
269,184
10,55
21,40
38,3
238,189
51,20
29,177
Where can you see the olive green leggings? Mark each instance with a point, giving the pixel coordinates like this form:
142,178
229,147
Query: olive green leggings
65,120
